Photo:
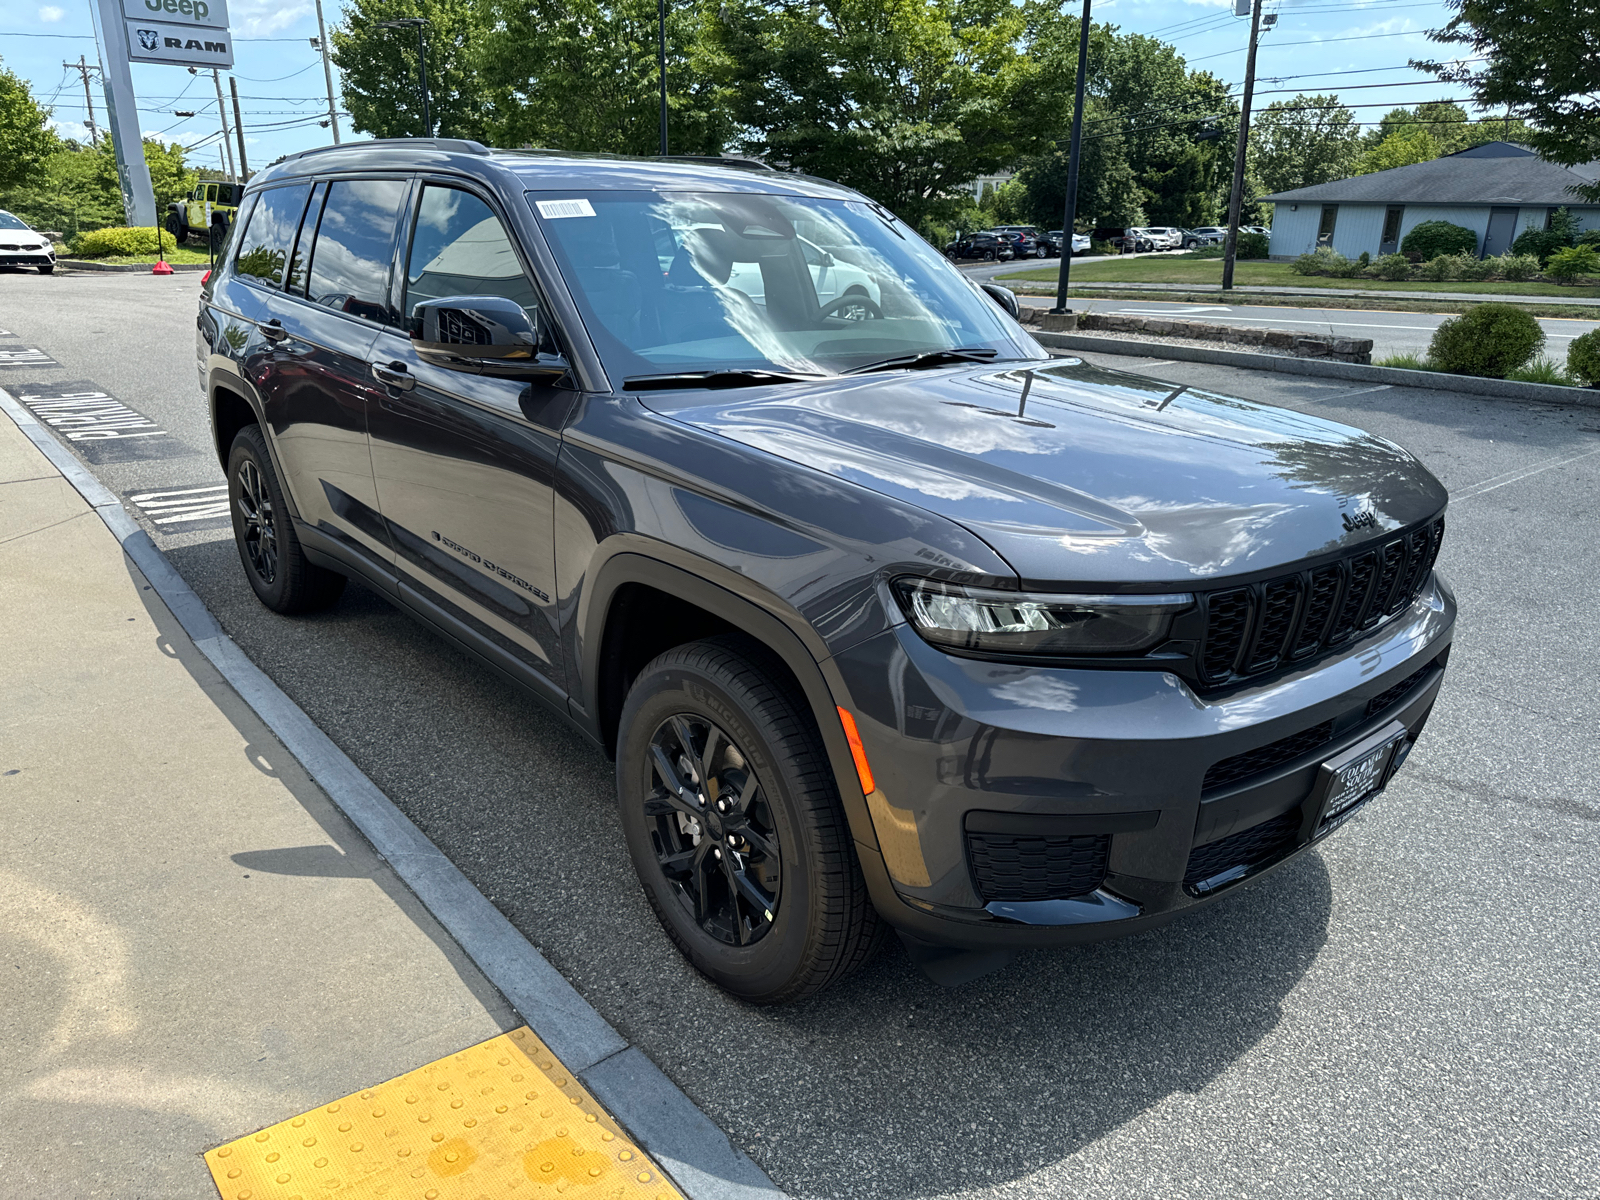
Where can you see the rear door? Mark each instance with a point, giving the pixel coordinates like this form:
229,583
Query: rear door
465,463
320,320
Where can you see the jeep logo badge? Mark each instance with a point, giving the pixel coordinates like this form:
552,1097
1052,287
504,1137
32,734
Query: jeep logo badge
1364,519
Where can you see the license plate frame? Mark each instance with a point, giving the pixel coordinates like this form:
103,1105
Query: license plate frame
1349,780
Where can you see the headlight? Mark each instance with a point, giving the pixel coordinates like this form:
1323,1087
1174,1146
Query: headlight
994,622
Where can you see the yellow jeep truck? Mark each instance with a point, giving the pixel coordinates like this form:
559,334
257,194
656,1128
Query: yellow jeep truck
207,211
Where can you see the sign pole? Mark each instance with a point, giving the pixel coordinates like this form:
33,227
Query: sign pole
1076,153
133,173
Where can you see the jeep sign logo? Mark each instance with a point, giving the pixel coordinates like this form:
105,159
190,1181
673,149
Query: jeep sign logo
210,14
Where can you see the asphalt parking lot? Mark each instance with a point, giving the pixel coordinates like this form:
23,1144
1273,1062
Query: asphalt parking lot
1409,1010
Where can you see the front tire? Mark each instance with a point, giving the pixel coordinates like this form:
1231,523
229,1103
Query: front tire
178,230
734,824
275,564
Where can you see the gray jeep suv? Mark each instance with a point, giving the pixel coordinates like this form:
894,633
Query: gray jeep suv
890,619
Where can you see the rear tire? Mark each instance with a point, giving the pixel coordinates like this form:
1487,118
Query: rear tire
274,562
749,868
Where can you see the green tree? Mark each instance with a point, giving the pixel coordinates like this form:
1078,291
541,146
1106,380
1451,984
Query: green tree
582,75
905,100
1108,193
380,71
1408,144
1536,59
1303,141
25,136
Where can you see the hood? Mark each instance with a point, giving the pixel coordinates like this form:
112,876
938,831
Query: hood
1080,475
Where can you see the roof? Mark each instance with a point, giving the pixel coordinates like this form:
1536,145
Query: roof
554,170
1494,173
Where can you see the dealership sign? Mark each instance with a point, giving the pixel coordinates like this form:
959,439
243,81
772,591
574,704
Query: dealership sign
212,14
180,45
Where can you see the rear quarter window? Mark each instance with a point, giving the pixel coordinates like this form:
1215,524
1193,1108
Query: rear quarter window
268,237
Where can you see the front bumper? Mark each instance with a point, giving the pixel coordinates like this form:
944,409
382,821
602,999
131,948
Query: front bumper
26,258
999,786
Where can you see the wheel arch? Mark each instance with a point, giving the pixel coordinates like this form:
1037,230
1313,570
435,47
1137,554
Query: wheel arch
684,606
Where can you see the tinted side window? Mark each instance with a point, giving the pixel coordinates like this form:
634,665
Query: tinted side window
269,237
461,249
354,249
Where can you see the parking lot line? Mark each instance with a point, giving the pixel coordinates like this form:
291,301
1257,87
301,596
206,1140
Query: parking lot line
485,1121
1500,481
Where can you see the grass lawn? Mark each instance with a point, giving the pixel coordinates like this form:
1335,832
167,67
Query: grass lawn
183,254
1186,268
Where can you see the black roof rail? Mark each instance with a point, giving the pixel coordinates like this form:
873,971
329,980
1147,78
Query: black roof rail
450,145
717,160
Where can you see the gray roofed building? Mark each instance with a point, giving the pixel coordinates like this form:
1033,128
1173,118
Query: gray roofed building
1496,190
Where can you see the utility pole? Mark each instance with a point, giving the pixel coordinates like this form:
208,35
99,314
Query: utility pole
1072,165
661,66
1236,196
84,69
238,128
222,112
327,72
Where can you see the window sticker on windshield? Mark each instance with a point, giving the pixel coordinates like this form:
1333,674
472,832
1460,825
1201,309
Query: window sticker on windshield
551,209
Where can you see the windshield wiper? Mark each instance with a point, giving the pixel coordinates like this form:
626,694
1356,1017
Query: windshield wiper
929,358
716,379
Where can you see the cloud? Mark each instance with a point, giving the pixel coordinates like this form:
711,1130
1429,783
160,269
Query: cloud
49,14
262,18
76,130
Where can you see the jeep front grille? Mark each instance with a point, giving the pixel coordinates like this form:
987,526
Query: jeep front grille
1254,629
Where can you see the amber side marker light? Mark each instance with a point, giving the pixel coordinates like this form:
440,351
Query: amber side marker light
857,752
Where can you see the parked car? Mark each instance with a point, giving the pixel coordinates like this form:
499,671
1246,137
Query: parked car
872,648
22,246
1032,243
206,213
1052,239
1165,237
1204,235
987,246
1140,240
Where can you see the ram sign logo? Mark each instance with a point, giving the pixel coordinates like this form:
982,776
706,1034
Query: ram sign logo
150,39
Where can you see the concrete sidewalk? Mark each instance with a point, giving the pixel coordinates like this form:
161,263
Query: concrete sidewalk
194,942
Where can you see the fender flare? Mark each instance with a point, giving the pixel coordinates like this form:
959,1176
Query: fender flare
631,566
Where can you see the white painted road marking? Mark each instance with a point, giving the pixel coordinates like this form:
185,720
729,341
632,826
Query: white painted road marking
182,505
90,416
1500,481
27,356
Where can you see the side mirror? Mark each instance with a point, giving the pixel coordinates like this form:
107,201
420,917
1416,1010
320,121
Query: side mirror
1004,297
487,335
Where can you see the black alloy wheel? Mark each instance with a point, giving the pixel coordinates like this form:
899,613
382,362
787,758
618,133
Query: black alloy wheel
219,234
178,230
733,821
279,573
714,836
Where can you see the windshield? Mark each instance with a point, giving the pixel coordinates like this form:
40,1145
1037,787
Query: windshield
677,283
7,221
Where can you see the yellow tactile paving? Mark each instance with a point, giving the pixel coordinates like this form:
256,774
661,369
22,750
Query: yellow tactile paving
501,1119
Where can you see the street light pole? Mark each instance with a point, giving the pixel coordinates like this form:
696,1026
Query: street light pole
661,66
419,24
1236,195
1072,165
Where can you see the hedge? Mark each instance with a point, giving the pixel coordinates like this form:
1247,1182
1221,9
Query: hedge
1433,238
119,239
1490,340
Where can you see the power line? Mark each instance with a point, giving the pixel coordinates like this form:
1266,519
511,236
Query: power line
1360,37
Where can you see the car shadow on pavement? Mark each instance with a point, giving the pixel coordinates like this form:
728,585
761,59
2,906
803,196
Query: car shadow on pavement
885,1086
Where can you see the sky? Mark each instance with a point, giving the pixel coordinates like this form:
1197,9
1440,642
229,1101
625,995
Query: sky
1354,48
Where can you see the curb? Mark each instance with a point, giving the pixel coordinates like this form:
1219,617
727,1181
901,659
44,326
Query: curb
1498,389
78,264
666,1123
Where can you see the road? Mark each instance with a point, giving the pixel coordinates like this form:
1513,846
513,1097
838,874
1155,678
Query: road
1391,332
1408,1010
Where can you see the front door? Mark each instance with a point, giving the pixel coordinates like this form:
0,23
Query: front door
1390,242
1502,231
465,463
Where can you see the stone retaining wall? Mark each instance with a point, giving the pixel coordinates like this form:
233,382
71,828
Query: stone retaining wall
1301,345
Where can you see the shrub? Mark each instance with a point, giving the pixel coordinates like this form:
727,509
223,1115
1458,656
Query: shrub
1406,362
1590,237
1444,267
1365,260
1583,358
1393,266
1214,251
1518,268
1306,264
1542,243
1491,340
120,240
1479,269
1433,238
1324,260
1568,263
1252,245
1345,268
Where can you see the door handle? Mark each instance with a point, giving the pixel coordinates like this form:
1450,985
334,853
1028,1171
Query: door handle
274,331
394,375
